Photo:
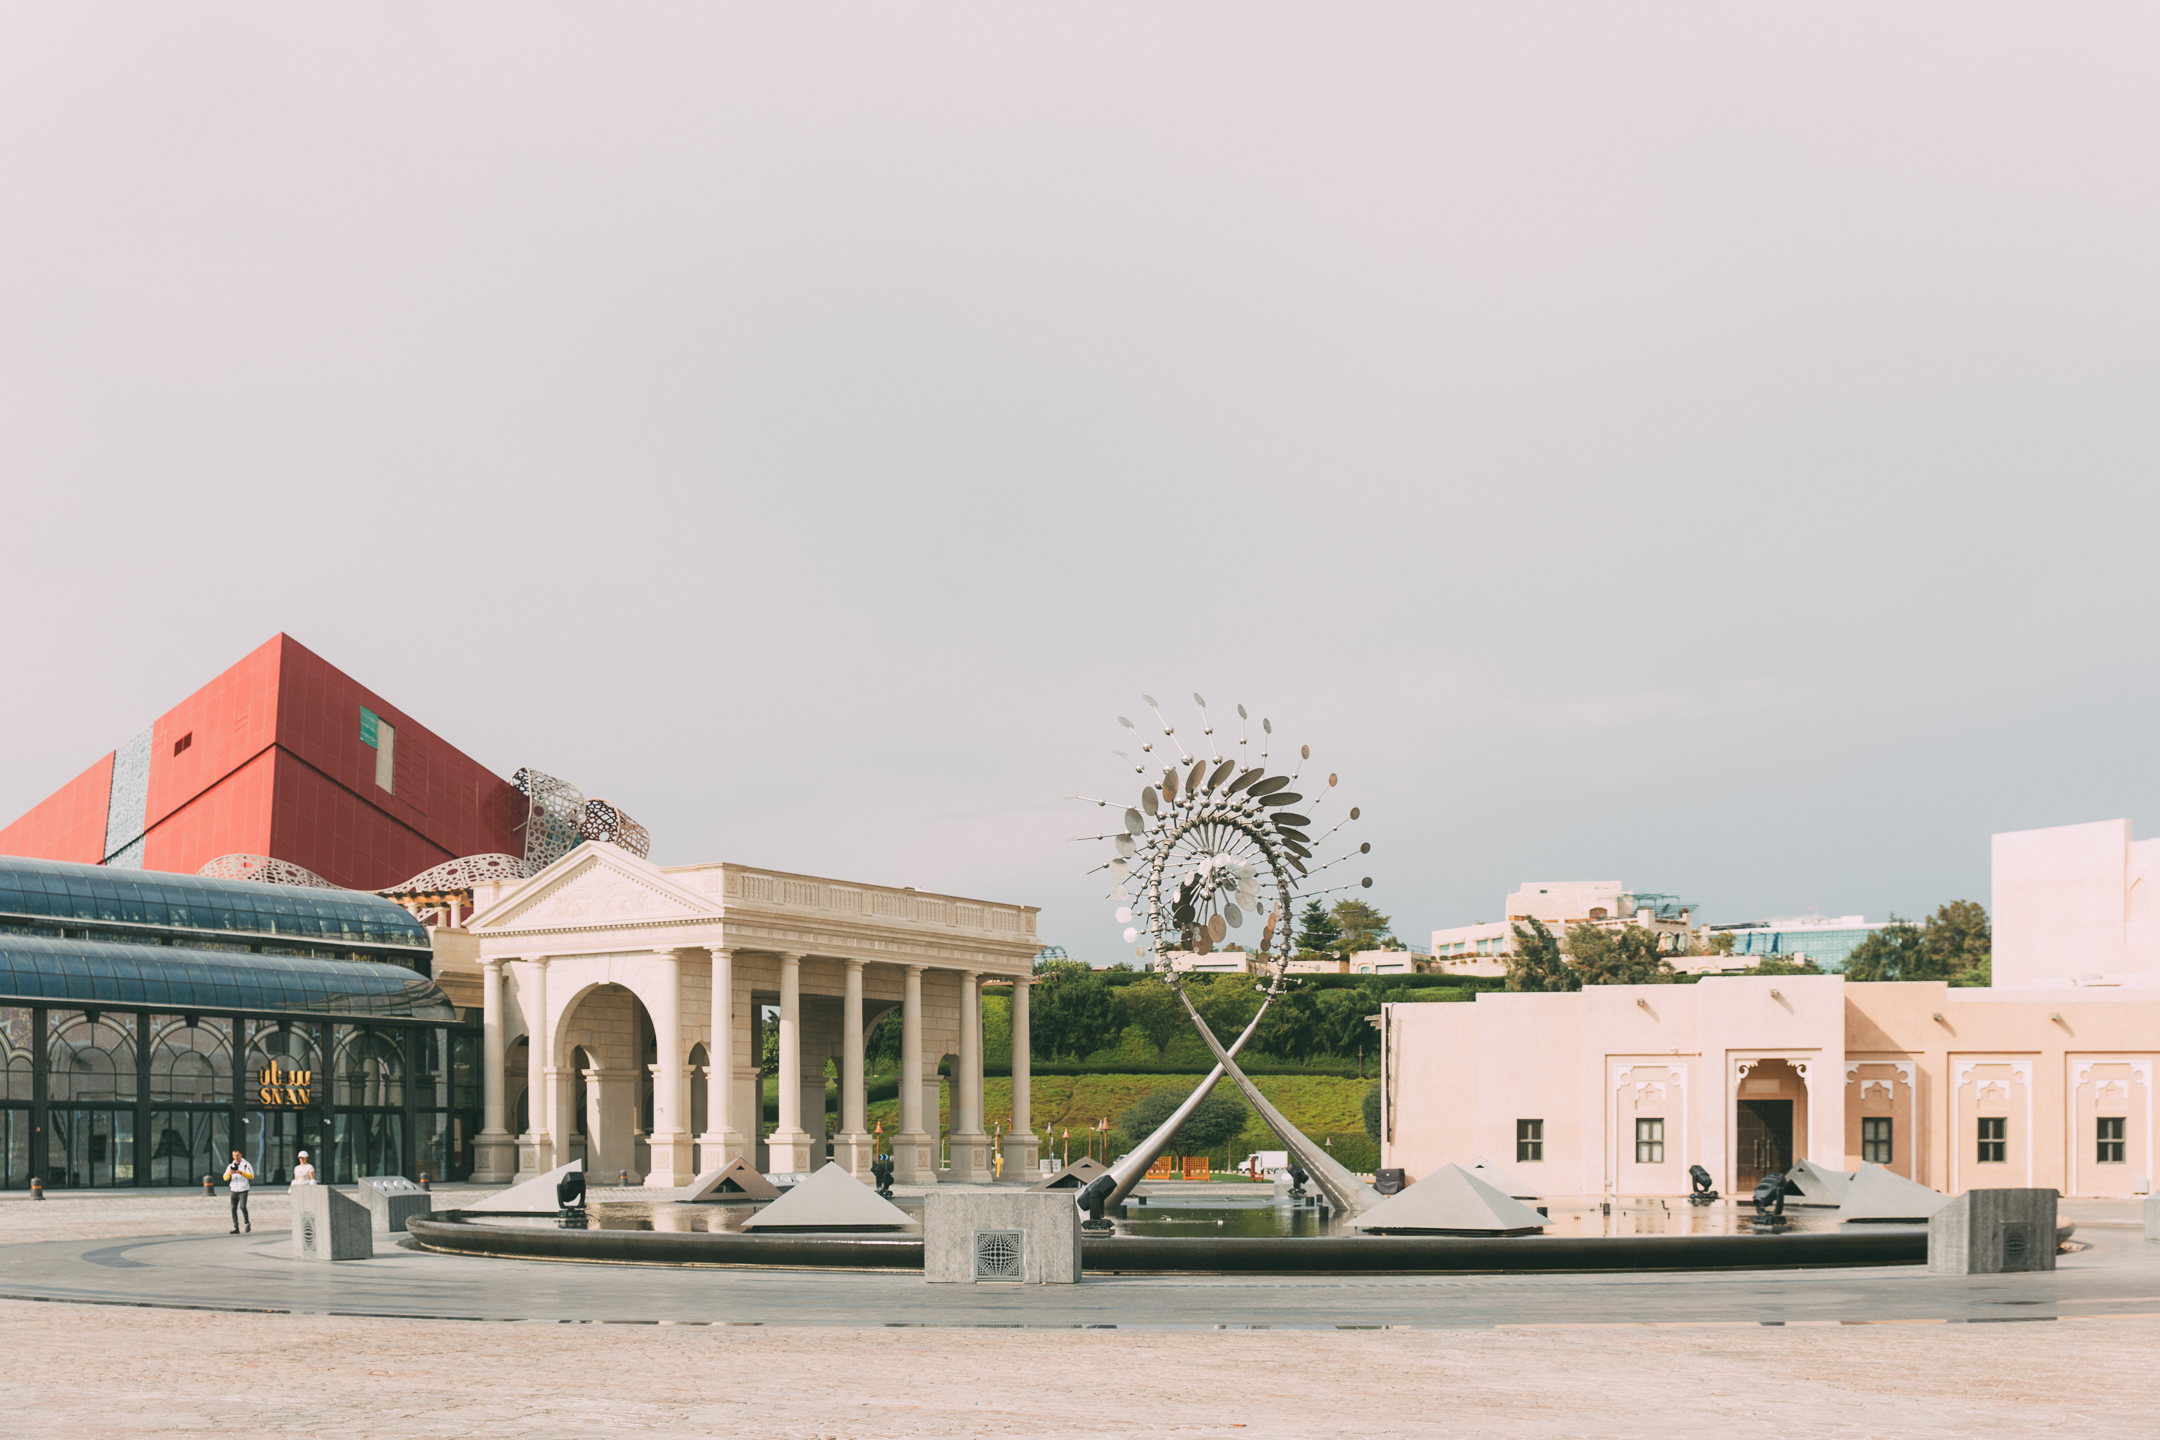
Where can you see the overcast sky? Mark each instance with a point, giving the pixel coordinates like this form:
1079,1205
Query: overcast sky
1707,447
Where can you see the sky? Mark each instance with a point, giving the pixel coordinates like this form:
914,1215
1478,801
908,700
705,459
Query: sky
1701,446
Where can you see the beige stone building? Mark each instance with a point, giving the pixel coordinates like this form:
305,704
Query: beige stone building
623,1006
2046,1079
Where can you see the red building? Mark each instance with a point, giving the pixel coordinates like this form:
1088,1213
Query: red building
283,755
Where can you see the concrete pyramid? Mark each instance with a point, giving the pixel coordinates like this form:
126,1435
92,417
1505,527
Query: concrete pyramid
531,1197
831,1199
1451,1201
1075,1176
736,1180
1500,1179
1817,1185
1879,1194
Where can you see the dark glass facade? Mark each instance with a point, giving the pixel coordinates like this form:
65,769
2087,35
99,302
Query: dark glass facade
145,1060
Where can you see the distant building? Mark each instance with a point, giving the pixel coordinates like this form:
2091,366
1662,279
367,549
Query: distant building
1825,940
1364,962
2043,1079
1558,904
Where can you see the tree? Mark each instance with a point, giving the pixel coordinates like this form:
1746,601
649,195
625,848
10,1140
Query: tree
1960,943
1219,1118
1953,944
1537,963
1779,965
1318,934
1072,1013
1898,951
1361,927
1371,1106
1342,1018
1226,1002
1629,955
1155,1009
1291,1028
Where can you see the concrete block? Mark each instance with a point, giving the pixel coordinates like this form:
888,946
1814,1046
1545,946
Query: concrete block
327,1225
392,1200
2152,1217
1989,1232
1028,1237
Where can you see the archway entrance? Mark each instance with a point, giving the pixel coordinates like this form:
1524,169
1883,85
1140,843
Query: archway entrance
609,1051
1769,1123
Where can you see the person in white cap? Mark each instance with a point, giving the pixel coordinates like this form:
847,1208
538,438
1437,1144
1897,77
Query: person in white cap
304,1172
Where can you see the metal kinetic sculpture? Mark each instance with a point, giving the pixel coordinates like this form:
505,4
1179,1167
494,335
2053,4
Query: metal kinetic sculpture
1209,842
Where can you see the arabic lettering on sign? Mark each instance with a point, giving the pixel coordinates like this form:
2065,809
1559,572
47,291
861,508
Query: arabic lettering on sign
284,1088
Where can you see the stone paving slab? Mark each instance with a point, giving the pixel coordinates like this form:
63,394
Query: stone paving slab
110,1372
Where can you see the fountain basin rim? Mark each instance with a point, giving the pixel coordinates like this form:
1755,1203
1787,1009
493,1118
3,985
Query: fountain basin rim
453,1232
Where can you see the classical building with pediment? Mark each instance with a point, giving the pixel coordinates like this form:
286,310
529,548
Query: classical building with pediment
623,1007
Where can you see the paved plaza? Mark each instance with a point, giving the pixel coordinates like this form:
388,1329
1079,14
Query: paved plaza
179,1327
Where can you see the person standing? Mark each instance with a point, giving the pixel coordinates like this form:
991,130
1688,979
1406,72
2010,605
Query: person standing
237,1176
304,1172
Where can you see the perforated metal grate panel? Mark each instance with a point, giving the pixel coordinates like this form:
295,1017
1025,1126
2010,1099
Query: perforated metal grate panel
998,1255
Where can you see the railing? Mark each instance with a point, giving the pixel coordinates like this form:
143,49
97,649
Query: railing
1172,1167
879,904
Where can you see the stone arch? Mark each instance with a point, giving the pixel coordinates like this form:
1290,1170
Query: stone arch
699,1063
604,1043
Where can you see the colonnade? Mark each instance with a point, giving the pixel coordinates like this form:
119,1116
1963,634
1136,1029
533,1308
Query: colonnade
734,1109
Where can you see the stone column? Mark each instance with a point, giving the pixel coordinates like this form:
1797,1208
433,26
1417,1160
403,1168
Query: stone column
611,1105
669,1143
970,1146
494,1149
535,1152
1022,1150
790,1146
914,1162
853,1146
722,1141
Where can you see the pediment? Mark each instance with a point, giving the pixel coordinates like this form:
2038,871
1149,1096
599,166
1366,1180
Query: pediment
596,885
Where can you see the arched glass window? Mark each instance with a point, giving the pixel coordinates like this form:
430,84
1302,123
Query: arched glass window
370,1066
191,1064
17,1062
91,1057
283,1044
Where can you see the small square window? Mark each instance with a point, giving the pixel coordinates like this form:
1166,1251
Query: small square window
183,742
1649,1142
1994,1139
1529,1140
1875,1147
2112,1129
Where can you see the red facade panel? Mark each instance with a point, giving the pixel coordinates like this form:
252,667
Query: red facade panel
232,817
268,759
322,825
213,733
459,805
68,824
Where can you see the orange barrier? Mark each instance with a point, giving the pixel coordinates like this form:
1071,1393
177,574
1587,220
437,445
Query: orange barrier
1164,1168
1196,1169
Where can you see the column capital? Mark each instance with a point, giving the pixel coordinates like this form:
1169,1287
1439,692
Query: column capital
491,962
855,966
913,969
670,952
795,955
723,948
